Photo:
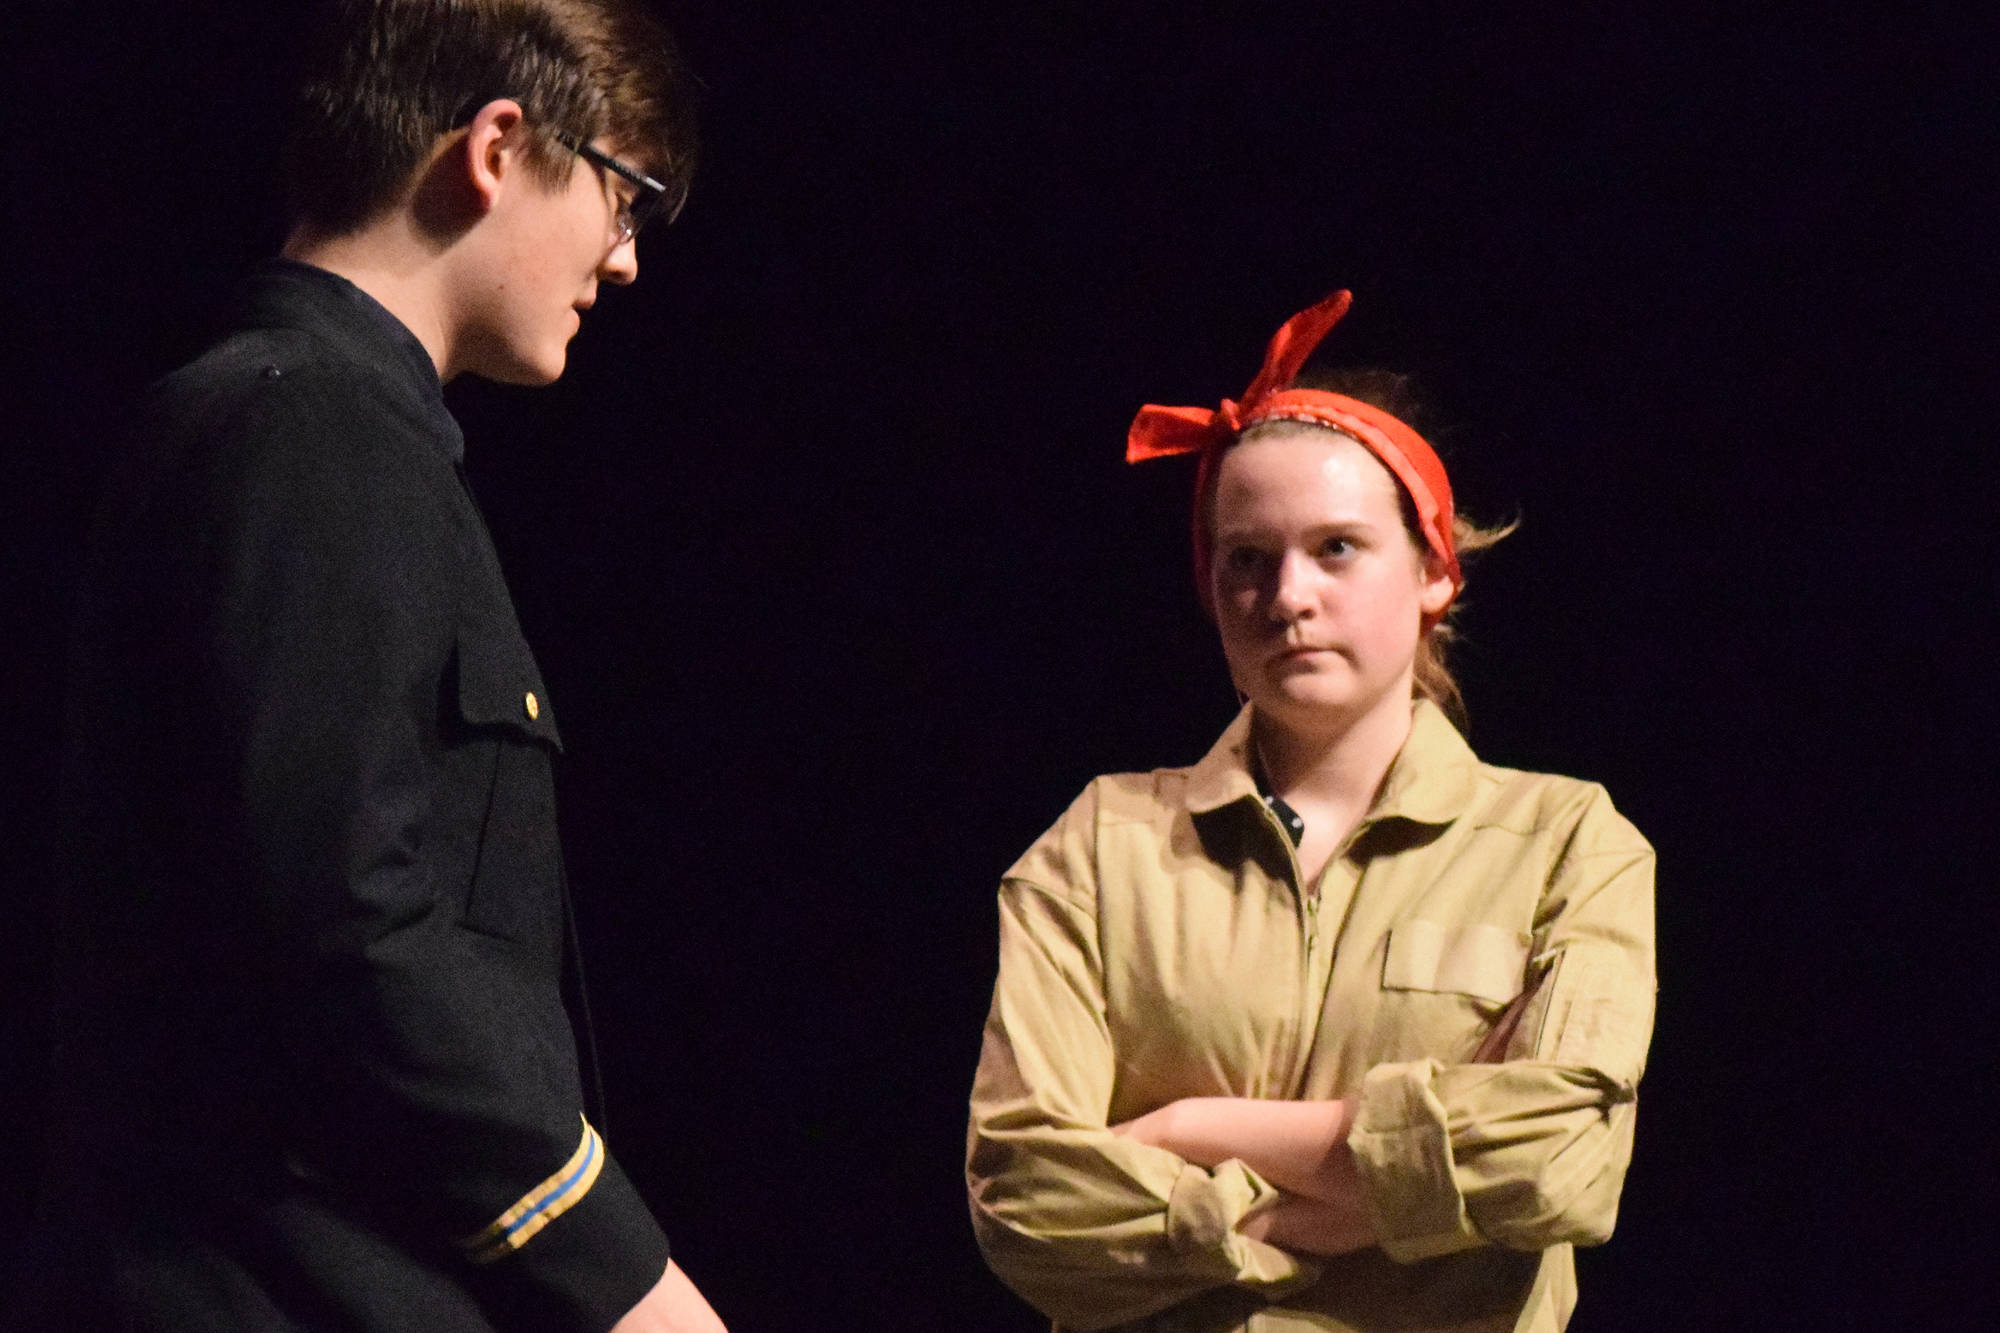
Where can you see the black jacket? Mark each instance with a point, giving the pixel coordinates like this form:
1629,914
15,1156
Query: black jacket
314,1070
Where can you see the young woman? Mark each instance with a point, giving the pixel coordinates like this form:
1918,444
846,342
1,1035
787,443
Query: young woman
1339,1028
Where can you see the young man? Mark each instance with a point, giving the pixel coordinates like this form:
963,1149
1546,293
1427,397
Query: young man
314,1069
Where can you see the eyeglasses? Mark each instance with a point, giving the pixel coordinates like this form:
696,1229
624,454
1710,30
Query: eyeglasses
651,198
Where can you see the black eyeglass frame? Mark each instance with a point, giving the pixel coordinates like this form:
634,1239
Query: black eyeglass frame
652,194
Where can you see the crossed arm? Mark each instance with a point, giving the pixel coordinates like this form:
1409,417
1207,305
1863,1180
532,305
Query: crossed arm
1301,1147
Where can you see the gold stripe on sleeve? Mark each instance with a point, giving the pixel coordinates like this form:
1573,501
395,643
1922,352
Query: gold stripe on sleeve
541,1205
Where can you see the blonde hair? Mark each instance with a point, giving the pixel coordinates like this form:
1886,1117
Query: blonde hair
1431,671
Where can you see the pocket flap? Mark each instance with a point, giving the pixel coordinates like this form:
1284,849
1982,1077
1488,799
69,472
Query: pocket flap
499,685
1486,962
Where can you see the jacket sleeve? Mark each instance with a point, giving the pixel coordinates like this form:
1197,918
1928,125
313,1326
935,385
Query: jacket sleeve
1530,1152
1091,1229
432,1068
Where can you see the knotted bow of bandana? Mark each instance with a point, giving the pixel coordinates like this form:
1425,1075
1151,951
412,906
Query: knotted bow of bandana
1161,432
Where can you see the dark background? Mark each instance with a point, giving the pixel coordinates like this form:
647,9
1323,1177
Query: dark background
843,591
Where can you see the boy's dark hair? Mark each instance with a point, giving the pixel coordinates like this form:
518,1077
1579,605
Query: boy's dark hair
384,79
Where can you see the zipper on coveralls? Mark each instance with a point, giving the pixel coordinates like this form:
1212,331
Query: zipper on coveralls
1308,894
1304,1020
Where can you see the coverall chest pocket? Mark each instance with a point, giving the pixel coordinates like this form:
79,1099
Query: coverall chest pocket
1445,984
515,884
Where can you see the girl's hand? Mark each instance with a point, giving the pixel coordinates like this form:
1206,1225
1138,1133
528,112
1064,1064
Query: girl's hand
1153,1129
1312,1226
1492,1048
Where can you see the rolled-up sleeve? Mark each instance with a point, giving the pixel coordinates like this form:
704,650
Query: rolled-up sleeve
1532,1151
1090,1228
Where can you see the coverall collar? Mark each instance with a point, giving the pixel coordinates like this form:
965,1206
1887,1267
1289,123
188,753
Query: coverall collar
1430,782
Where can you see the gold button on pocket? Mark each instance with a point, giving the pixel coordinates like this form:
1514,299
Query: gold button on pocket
534,706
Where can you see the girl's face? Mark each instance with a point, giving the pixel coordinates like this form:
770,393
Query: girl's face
1319,590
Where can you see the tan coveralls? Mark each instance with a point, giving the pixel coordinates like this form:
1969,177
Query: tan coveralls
1157,943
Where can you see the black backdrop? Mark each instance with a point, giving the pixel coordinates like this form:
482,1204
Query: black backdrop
827,551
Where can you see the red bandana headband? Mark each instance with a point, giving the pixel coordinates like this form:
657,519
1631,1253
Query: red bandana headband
1160,432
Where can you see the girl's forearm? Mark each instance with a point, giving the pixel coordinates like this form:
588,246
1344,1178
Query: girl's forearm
1300,1147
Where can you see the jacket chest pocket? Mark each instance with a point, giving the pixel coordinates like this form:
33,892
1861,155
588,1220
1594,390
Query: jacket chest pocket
509,736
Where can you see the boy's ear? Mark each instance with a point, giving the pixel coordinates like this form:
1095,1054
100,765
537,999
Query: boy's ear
494,146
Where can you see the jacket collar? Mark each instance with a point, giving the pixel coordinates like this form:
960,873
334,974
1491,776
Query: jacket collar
285,294
1431,780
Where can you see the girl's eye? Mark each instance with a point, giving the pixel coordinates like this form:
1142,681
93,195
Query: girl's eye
1336,548
1243,560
